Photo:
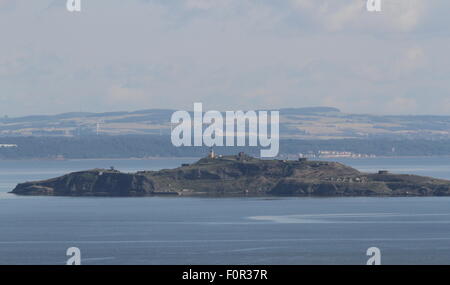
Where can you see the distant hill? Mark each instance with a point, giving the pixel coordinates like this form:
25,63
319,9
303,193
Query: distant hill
295,123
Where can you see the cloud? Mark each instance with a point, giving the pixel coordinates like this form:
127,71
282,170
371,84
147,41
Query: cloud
119,94
230,54
206,4
413,59
344,15
332,15
406,15
7,5
396,15
402,105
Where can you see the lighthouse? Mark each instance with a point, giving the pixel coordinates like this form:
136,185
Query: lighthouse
212,155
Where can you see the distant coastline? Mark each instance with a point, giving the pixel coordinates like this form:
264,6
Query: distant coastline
198,157
151,147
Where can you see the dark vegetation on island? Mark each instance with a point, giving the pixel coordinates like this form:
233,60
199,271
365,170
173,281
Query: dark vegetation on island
239,175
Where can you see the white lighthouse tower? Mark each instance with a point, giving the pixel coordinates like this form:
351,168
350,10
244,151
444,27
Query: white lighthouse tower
212,155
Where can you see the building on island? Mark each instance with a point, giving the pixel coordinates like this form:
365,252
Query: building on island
8,145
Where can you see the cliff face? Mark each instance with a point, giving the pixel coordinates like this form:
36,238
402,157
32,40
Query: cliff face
238,176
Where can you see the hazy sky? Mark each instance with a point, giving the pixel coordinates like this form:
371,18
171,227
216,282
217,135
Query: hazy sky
227,54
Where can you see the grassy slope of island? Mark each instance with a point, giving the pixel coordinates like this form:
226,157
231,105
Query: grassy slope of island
239,175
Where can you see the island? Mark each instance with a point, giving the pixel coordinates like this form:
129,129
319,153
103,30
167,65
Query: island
239,175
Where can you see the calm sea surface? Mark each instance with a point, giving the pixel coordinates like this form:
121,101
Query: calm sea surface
156,230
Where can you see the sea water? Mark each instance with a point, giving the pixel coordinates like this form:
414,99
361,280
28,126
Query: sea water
183,230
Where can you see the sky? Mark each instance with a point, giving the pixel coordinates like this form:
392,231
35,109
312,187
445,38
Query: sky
227,54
